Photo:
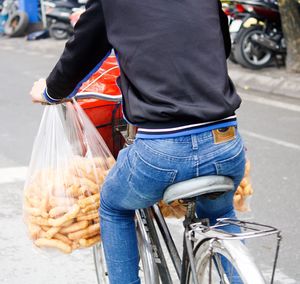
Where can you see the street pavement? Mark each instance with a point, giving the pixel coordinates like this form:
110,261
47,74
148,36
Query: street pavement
270,128
271,80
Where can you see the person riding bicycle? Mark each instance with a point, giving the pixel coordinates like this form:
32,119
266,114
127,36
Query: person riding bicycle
176,90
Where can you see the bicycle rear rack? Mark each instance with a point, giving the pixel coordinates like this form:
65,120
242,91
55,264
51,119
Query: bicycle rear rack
248,230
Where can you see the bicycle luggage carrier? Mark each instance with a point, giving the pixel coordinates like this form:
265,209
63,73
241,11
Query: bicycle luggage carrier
248,230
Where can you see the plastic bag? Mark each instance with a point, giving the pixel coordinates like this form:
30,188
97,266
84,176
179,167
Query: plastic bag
176,209
68,165
244,192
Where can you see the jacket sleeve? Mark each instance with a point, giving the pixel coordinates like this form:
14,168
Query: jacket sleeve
225,30
83,52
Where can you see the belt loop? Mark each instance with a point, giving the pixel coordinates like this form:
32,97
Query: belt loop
194,142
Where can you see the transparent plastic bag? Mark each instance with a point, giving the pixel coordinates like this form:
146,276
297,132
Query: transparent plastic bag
176,209
69,163
244,192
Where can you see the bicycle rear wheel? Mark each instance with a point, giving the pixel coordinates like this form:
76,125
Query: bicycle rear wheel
224,262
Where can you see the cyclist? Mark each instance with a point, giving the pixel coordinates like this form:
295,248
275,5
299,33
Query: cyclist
176,89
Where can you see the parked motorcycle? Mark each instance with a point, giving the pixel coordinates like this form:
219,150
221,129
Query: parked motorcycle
257,36
236,14
58,17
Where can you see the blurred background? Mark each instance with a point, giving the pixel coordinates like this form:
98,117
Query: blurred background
265,67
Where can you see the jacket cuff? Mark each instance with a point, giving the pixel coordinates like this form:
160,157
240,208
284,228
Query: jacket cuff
50,99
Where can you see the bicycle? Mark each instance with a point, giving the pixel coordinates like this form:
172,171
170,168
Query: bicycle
204,246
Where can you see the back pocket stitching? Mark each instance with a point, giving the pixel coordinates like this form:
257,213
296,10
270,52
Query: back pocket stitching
218,164
170,172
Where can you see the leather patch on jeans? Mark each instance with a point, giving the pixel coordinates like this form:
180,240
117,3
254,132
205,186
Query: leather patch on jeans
222,135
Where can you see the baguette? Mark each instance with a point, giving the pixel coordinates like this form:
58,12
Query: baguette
65,218
43,242
82,233
75,227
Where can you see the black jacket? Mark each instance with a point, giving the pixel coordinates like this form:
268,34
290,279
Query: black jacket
172,56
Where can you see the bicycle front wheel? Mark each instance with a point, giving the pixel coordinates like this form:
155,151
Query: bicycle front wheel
224,262
148,268
100,264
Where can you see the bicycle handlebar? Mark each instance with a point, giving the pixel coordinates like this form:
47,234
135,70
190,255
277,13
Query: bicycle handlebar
99,96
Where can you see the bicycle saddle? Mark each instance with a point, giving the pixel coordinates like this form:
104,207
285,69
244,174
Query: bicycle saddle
197,186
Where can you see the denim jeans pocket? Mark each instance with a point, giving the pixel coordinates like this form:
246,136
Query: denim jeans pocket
233,166
147,180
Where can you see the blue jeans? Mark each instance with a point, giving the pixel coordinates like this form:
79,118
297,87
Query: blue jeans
142,173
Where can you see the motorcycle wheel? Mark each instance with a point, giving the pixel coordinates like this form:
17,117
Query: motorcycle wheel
16,24
250,54
59,31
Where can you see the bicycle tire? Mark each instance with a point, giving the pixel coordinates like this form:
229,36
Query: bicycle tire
100,265
236,254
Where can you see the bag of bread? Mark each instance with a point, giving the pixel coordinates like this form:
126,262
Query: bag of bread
68,165
244,191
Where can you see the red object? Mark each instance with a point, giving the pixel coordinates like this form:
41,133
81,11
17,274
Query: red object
270,14
227,11
75,17
103,114
240,8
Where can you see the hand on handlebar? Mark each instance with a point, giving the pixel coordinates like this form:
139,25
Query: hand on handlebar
39,86
37,90
37,93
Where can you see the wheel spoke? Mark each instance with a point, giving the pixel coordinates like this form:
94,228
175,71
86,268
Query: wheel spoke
255,59
247,49
219,263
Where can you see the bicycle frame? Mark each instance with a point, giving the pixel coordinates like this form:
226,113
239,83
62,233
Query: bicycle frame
181,264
